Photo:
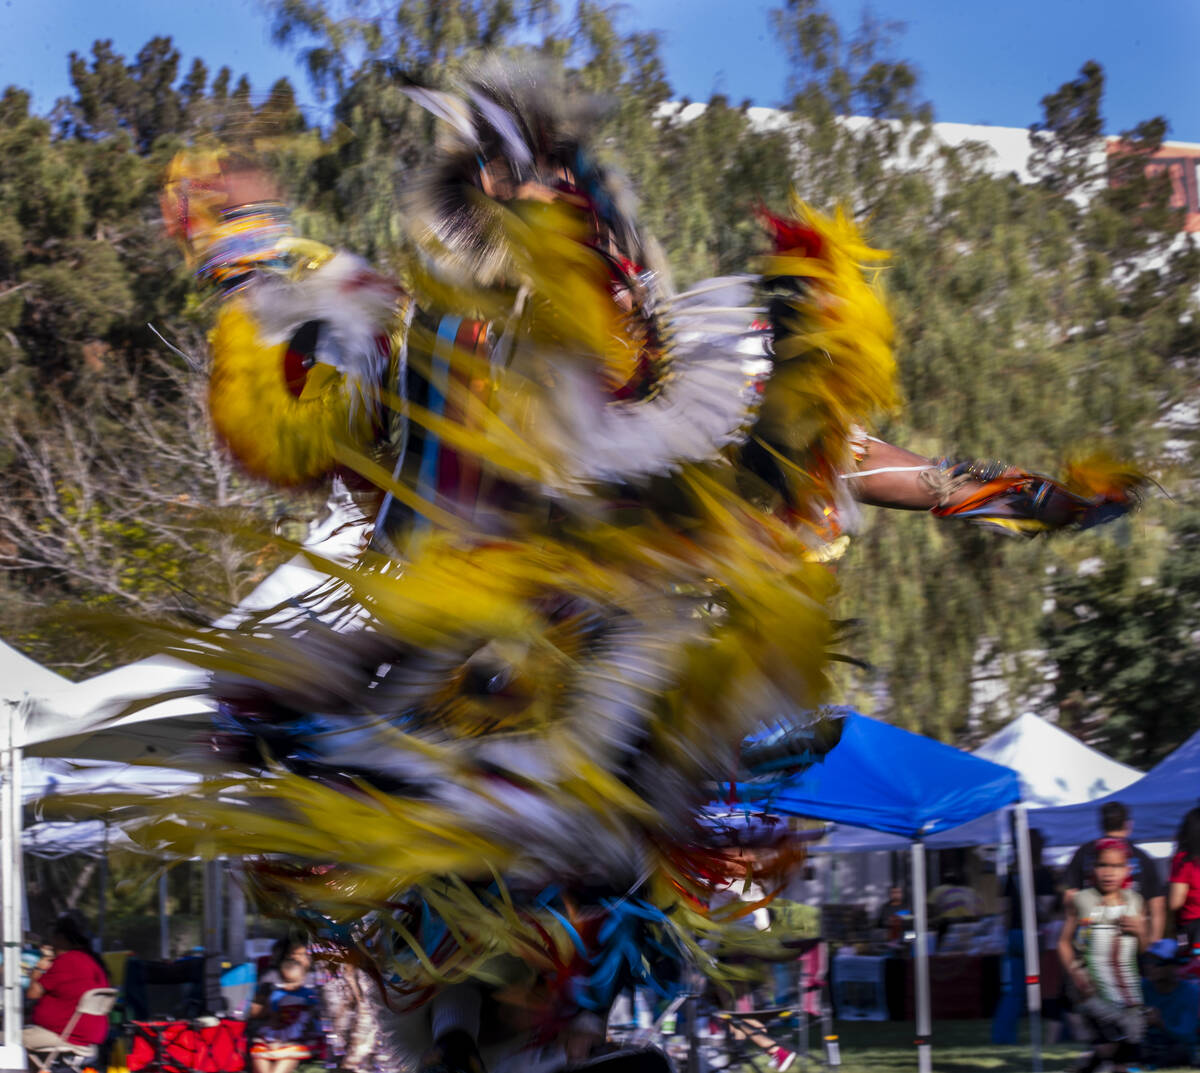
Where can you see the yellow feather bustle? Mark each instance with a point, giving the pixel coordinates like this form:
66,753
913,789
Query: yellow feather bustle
834,365
834,368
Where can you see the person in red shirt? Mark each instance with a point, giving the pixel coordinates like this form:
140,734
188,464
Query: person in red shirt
56,984
1184,892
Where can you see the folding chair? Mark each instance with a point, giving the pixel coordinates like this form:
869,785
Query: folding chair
98,1003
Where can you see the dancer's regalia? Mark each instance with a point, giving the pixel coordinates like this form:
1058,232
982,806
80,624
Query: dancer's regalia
597,560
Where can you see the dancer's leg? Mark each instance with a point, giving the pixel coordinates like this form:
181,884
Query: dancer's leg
454,1023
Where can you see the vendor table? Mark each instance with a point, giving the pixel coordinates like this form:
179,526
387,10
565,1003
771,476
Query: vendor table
188,1047
961,986
860,987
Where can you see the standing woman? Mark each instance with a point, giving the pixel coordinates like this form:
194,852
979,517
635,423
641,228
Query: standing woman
1183,896
57,983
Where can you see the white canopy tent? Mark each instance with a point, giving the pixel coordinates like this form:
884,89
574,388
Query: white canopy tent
46,715
21,681
1055,767
22,677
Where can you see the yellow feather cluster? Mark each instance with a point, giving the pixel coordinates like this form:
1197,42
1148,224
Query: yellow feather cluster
1099,473
834,362
276,435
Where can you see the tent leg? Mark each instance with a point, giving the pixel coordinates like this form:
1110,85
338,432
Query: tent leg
692,1010
833,1050
801,1013
12,886
235,899
102,902
924,1024
212,909
214,933
1029,929
164,937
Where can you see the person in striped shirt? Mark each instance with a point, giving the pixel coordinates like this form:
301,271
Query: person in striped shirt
1104,931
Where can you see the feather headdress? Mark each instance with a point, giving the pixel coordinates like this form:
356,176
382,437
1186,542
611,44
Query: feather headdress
515,126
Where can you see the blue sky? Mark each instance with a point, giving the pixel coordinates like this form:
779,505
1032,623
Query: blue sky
981,62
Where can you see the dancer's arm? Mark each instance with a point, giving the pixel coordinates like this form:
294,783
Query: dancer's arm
890,476
1066,950
992,493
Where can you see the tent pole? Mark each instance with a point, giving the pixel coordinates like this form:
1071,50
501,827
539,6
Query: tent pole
164,938
12,886
692,1012
801,1012
235,913
103,899
1033,968
1002,848
833,1050
214,932
924,1024
212,908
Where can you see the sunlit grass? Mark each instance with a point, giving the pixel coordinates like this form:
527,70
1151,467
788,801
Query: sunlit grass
958,1047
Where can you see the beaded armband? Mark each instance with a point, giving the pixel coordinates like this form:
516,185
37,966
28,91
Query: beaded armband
1021,502
246,238
945,477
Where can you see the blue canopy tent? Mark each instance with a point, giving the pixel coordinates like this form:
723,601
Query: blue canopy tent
1157,802
887,779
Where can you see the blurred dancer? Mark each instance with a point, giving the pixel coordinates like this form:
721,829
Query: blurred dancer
601,513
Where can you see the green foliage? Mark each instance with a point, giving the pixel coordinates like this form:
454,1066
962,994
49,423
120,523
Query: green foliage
1032,321
1124,637
116,498
1065,140
82,293
840,73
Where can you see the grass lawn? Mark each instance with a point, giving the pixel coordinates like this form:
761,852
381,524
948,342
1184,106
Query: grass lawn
958,1047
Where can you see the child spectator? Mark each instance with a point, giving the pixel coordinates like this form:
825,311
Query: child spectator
1116,822
289,1029
1172,1009
1104,930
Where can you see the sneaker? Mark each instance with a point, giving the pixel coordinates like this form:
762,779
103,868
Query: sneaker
782,1058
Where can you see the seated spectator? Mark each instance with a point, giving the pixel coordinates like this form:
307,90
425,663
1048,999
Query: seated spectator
269,978
894,916
56,984
952,901
288,1030
1172,1009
